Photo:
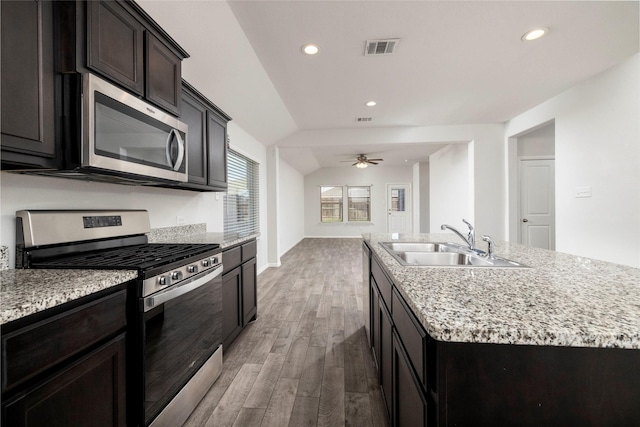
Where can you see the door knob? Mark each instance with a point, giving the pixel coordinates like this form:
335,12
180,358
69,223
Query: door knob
525,220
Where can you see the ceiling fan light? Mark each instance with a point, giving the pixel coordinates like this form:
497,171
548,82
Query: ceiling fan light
361,165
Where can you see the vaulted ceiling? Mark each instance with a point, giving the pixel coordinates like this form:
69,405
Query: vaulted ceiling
457,62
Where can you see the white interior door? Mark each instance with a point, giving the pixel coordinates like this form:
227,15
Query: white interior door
537,203
399,208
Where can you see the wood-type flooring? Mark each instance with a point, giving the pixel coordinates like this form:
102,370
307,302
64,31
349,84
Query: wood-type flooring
305,361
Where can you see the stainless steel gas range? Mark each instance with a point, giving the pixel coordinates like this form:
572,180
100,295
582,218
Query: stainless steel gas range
174,345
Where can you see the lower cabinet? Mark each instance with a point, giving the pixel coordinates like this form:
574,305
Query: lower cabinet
409,402
67,366
89,392
239,296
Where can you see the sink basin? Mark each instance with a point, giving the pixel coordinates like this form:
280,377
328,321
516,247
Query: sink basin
420,247
441,258
436,254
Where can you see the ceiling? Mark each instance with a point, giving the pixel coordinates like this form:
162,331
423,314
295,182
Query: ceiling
456,63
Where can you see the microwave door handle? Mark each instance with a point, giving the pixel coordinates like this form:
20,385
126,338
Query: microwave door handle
175,165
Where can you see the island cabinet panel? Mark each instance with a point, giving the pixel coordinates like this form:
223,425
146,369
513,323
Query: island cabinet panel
523,385
28,85
409,402
239,296
383,282
413,337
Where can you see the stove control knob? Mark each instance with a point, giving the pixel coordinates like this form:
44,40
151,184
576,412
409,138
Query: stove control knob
192,269
176,275
206,263
214,260
162,281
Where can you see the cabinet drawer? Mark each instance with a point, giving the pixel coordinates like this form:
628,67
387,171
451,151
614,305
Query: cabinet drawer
31,350
248,251
412,336
232,258
384,285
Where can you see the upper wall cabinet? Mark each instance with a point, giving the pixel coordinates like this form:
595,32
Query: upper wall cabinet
28,85
207,143
125,45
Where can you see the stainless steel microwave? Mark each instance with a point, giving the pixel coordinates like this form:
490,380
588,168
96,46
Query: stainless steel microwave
124,135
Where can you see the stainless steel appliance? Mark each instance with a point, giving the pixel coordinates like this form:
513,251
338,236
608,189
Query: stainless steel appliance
175,305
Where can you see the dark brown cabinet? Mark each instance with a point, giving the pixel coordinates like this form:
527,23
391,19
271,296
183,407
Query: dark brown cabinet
120,41
207,142
409,402
116,44
28,85
239,292
437,383
66,358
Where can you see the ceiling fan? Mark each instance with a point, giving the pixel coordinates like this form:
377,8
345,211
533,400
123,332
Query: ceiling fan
362,162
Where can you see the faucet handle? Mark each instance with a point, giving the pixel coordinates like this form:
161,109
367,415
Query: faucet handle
489,245
468,224
472,234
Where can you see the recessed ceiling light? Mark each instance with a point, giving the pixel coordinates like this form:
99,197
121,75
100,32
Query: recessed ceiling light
310,49
371,104
534,34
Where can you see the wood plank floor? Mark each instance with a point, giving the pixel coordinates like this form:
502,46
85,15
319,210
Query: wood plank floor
305,361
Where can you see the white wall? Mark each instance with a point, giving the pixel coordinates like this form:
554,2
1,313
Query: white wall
425,185
451,196
597,144
164,205
376,176
416,202
291,210
540,142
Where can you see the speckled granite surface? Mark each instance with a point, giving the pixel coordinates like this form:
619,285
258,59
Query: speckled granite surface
563,300
24,292
4,257
219,238
167,233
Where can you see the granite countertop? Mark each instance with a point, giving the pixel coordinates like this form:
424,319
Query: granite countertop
25,292
562,300
223,240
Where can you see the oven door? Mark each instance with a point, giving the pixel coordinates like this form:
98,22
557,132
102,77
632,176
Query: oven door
182,328
122,133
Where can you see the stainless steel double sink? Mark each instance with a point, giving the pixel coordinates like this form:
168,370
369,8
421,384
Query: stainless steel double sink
443,255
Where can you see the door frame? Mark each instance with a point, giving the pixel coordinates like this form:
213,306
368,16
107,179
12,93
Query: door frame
519,198
409,200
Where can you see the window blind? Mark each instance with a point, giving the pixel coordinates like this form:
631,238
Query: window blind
241,201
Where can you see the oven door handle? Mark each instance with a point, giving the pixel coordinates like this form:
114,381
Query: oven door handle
183,288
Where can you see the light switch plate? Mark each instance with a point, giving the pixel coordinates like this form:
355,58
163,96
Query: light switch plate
583,192
180,220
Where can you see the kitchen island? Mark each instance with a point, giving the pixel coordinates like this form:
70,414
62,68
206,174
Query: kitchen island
553,344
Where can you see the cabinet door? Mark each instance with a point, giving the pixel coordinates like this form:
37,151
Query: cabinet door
163,75
375,324
386,352
27,69
409,403
249,296
217,138
231,305
116,44
194,114
89,392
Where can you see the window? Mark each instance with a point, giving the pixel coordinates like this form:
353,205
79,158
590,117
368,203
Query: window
330,204
397,200
359,202
241,201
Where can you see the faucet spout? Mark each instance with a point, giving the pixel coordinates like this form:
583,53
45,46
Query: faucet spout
448,227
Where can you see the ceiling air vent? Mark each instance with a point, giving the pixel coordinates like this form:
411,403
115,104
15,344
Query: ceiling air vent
380,47
363,119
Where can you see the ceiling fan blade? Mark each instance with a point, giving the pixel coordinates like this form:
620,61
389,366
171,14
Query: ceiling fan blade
355,163
373,163
346,161
377,160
